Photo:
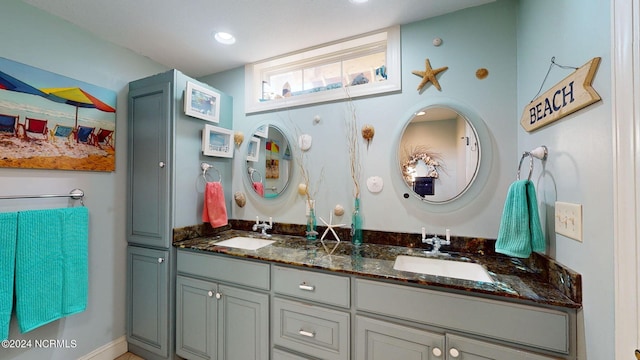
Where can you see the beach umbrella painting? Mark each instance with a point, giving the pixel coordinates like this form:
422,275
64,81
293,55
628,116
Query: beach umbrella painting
77,97
8,82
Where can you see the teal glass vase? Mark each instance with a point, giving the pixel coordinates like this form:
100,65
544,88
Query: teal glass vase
311,233
356,223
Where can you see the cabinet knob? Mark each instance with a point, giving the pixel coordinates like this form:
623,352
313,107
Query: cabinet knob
162,164
436,352
160,260
210,293
218,295
454,353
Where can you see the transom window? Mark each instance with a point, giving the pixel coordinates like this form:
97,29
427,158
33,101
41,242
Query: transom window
365,65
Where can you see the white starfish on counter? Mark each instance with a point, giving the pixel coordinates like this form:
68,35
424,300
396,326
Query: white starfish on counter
330,227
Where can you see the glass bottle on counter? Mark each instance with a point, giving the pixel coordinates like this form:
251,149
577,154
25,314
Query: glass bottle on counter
311,233
356,223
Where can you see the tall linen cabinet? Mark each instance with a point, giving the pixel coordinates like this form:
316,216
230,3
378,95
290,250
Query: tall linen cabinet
164,191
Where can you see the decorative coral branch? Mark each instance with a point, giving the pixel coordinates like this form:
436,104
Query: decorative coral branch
353,145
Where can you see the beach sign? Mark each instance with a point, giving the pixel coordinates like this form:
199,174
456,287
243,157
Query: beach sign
566,97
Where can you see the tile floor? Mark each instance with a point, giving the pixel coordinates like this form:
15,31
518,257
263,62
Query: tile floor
128,356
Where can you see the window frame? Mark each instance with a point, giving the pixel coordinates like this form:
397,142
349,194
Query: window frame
304,58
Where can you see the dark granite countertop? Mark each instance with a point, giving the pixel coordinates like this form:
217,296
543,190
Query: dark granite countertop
514,279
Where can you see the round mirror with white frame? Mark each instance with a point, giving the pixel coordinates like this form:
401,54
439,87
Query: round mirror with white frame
439,154
269,161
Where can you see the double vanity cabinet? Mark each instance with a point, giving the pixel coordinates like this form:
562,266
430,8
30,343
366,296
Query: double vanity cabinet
236,304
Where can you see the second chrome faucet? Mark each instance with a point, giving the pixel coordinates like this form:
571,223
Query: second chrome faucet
436,242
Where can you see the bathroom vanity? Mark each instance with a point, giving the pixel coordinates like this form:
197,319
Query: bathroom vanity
290,300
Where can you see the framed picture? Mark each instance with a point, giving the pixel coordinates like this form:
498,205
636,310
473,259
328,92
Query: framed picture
253,150
202,103
217,141
262,131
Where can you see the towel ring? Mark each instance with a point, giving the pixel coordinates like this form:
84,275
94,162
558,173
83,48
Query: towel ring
539,153
252,172
205,167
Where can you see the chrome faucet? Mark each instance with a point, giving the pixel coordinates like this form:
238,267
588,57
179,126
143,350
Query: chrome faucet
436,242
263,226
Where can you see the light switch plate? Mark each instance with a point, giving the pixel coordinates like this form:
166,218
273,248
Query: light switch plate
568,220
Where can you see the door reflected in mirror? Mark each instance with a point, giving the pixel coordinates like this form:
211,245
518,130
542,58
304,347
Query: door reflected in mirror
269,161
439,154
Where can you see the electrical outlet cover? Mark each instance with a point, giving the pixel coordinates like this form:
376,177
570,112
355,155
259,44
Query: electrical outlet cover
568,220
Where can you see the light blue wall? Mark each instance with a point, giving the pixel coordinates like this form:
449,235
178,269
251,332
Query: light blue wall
492,45
579,168
32,37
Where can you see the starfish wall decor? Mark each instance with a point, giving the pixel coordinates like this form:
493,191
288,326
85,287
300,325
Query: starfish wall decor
429,74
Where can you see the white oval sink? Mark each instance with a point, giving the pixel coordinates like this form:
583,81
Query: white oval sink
245,243
439,267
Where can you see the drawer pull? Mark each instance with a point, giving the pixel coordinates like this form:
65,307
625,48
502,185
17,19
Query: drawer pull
454,353
306,287
307,333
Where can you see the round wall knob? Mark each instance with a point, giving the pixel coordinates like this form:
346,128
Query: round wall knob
210,293
162,164
454,352
436,352
160,260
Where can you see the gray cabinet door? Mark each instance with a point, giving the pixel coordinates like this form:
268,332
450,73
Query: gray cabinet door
148,299
459,347
196,318
148,215
381,340
243,324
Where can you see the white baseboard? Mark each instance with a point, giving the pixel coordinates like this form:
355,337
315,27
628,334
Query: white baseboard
108,351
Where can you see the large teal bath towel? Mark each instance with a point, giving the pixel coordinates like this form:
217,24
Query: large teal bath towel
520,231
8,231
51,279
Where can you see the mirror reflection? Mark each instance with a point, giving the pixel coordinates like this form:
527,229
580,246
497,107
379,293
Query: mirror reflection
439,154
269,161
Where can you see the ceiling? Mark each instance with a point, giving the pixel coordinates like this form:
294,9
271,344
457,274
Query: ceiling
179,33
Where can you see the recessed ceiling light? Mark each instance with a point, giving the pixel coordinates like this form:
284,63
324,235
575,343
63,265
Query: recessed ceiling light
224,38
358,1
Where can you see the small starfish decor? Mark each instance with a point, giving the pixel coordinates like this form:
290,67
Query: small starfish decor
429,74
330,227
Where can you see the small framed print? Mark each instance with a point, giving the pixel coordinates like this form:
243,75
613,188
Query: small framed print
253,149
217,141
202,103
262,131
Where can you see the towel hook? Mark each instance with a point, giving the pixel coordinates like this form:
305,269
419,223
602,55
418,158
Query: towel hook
205,167
252,172
540,152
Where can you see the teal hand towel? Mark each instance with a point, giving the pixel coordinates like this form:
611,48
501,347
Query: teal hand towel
520,231
75,252
51,265
8,233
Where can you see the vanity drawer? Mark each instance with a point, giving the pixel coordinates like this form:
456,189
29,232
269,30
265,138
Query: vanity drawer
311,330
531,326
221,268
311,285
285,355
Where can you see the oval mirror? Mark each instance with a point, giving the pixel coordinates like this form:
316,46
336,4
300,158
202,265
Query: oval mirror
269,161
439,154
